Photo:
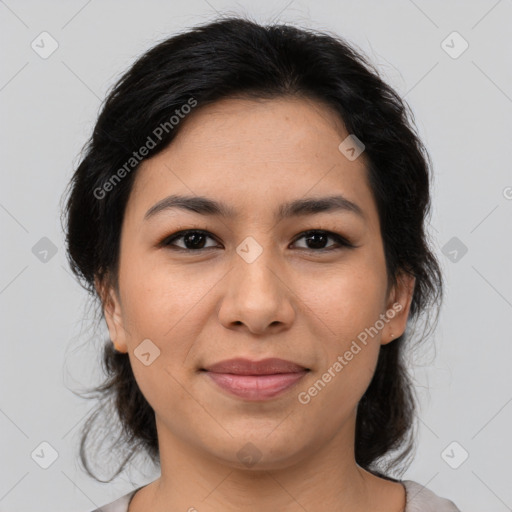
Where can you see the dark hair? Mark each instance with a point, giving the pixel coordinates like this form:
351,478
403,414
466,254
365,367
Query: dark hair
235,57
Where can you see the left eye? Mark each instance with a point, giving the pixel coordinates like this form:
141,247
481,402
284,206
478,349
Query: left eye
318,237
194,240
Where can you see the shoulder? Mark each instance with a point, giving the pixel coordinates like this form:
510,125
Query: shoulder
421,499
120,505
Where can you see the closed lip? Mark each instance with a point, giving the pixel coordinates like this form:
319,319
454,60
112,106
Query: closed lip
243,366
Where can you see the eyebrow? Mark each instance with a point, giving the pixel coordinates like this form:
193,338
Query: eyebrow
206,206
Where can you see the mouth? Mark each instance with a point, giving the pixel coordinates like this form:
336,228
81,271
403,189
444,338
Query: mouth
255,380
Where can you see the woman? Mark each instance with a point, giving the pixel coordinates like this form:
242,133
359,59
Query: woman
251,214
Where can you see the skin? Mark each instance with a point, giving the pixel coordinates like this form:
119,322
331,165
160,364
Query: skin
297,304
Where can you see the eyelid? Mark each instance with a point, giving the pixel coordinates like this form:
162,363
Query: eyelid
166,241
343,241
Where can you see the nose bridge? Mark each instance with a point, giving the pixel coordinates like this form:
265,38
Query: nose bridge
255,265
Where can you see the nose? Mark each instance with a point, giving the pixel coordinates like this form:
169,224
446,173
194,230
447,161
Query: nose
257,296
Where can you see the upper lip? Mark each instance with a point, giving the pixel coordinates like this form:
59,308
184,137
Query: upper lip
242,366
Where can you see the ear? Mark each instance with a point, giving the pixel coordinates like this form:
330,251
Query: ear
112,311
399,303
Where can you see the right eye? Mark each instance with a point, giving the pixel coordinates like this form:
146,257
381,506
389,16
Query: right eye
193,240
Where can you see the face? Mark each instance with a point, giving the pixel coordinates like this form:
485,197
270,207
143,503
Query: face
251,284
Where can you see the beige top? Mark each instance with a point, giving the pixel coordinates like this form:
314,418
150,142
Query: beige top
418,499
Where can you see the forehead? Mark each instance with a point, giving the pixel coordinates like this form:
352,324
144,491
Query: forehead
282,128
251,153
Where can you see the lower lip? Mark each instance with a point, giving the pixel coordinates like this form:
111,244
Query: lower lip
256,387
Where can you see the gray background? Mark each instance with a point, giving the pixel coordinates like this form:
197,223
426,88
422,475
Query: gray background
463,110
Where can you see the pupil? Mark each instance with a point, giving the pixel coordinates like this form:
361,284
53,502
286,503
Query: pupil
316,243
192,237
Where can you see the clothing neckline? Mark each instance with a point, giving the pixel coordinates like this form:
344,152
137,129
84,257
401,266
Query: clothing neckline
403,483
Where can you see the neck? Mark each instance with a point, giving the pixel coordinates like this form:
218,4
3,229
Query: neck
324,477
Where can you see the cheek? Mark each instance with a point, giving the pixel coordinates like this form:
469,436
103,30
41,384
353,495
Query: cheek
346,307
166,307
347,299
329,404
164,391
337,387
157,298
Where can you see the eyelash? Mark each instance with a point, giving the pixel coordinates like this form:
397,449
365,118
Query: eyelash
343,242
